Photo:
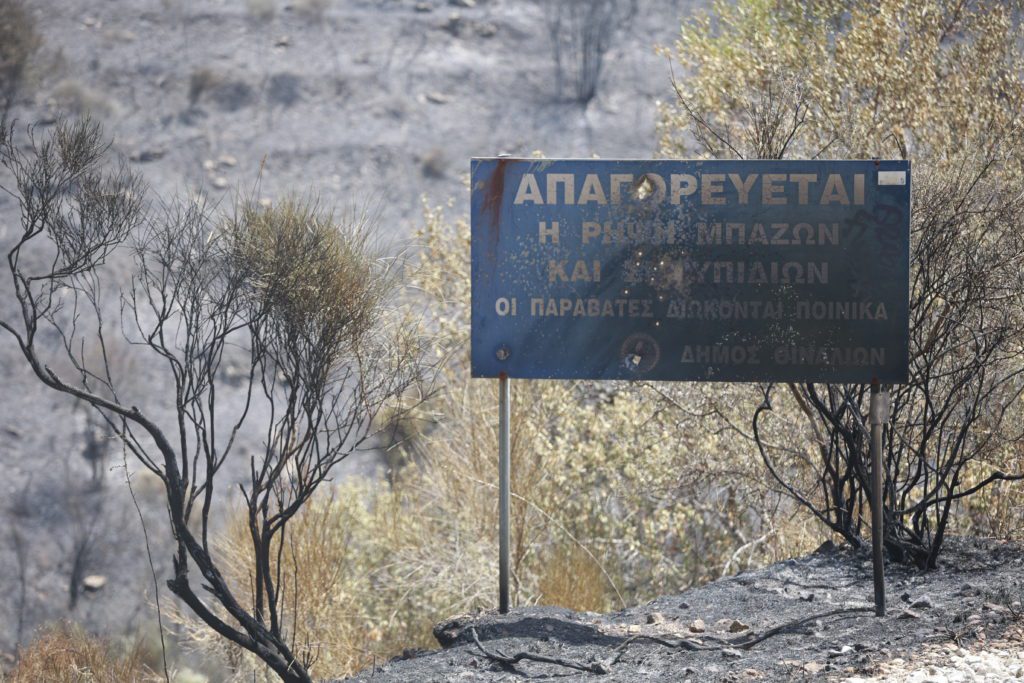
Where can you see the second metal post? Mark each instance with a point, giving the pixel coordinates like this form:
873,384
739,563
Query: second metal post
504,475
879,416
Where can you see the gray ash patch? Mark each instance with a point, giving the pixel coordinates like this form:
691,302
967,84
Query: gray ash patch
804,619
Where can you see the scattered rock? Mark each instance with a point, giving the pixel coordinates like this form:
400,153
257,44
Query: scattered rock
738,626
722,625
995,607
923,602
424,7
844,650
655,618
732,653
209,164
436,98
813,667
633,628
487,30
453,25
94,582
698,626
909,614
226,160
468,4
447,632
220,182
283,41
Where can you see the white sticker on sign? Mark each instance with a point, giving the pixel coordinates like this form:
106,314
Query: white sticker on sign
892,177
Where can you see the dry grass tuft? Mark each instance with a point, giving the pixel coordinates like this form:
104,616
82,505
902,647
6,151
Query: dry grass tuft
79,99
18,42
571,578
260,10
66,654
340,598
313,9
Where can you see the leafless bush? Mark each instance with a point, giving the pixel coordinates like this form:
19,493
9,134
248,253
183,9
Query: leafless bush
957,426
581,33
303,292
962,402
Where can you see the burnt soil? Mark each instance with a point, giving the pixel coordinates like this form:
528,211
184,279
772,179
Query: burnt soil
973,597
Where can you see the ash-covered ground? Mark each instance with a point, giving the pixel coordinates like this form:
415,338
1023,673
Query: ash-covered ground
806,619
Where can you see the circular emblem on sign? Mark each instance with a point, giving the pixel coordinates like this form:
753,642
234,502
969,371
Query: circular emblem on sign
639,353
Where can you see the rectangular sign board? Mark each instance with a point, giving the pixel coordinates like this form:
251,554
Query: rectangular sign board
765,270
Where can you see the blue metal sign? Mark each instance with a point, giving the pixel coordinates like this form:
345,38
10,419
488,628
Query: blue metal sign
691,270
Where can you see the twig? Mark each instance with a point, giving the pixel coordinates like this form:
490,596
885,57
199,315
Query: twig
599,667
793,625
152,569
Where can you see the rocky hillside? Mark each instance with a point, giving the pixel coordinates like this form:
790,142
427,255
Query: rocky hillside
377,102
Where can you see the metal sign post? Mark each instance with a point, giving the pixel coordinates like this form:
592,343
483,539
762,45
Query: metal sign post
504,474
879,415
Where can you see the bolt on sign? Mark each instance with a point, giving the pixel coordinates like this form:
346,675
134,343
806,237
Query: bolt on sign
691,270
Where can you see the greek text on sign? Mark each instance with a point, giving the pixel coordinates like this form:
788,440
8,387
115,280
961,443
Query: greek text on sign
691,270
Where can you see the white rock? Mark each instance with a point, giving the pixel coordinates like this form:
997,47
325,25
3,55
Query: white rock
94,582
